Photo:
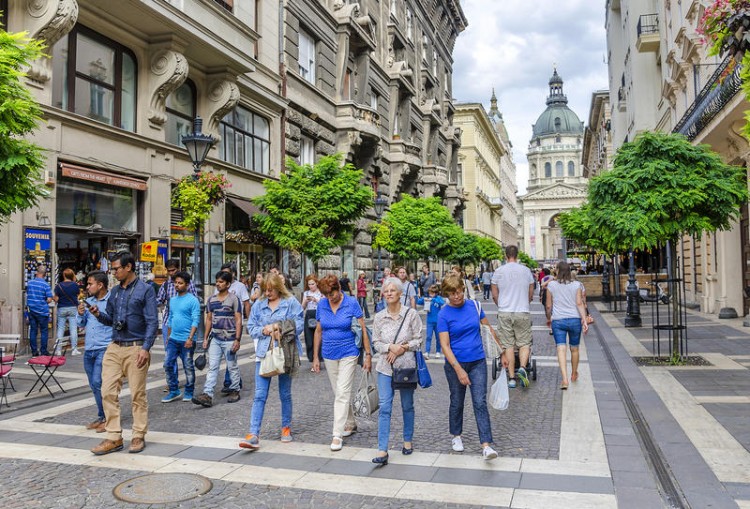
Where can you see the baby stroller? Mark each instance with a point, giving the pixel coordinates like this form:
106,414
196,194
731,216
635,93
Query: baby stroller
497,365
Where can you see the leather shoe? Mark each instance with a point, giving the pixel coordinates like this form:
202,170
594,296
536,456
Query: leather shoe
137,444
94,424
101,428
406,451
107,446
381,461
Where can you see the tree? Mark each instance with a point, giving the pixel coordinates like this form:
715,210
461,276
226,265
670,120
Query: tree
468,250
489,249
525,259
417,228
313,209
21,161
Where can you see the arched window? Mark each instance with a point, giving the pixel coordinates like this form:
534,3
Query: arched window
180,113
571,169
245,140
559,169
547,170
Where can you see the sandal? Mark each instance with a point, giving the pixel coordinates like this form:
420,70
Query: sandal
337,443
563,387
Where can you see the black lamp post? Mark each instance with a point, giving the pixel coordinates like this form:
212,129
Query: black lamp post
198,145
633,315
380,203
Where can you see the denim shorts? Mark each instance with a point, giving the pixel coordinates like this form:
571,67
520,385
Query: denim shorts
567,330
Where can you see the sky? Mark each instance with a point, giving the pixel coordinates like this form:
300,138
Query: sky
512,45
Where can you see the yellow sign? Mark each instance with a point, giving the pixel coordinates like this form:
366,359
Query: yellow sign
150,251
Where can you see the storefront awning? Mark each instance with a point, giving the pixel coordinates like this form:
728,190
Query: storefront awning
246,206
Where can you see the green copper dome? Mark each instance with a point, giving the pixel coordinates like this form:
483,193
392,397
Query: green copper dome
557,118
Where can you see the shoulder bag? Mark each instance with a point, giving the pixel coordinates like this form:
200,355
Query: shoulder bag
423,373
403,378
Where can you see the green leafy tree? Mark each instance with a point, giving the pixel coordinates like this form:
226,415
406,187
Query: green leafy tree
417,228
468,250
525,259
489,249
21,161
313,209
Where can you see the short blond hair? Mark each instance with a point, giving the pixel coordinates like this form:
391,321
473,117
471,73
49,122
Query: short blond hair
451,284
276,282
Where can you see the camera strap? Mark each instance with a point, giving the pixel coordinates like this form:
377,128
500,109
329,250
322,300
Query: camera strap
116,318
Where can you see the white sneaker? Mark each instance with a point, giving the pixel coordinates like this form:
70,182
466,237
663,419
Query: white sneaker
75,352
427,356
458,445
489,453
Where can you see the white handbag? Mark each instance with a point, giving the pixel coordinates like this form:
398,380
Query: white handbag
273,363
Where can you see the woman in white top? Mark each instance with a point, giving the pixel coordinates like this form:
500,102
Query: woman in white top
567,314
309,301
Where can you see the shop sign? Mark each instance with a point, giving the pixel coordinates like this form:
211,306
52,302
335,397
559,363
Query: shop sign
37,246
100,177
150,251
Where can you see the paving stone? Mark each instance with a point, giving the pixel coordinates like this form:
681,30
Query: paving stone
636,498
581,484
205,453
478,478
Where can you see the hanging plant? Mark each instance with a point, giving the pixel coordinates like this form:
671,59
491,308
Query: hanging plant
197,197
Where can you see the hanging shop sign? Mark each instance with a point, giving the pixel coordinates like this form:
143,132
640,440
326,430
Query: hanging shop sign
150,251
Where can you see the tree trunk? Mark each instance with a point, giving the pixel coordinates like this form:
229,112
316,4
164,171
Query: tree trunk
673,289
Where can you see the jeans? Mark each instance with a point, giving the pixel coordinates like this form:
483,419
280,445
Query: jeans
216,350
40,323
567,330
486,292
363,304
68,314
432,331
309,333
262,384
385,393
165,335
477,372
92,364
177,349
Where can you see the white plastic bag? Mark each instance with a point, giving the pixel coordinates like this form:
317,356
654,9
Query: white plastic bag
499,396
273,363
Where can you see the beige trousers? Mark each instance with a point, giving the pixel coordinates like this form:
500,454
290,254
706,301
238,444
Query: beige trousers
341,375
120,361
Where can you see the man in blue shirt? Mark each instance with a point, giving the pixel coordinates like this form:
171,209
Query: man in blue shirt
38,297
131,311
98,337
166,292
184,316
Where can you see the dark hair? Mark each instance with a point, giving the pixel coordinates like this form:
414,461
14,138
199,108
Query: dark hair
230,266
184,275
545,271
329,283
224,276
99,276
125,258
274,266
511,252
564,275
173,263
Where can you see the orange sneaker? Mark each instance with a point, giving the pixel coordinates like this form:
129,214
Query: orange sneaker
251,442
286,434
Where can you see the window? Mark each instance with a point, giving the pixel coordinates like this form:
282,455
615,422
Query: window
306,56
95,77
425,48
409,24
558,123
245,140
547,170
226,4
394,8
374,100
306,150
434,62
559,169
180,113
571,169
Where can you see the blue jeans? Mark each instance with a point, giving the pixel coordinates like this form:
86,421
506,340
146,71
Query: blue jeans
262,384
432,331
487,292
92,363
385,393
228,377
177,349
363,304
164,335
68,314
39,323
477,371
567,330
216,350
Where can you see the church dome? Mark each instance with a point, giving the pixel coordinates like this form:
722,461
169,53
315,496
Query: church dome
557,118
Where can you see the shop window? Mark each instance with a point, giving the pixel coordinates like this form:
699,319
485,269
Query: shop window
85,204
559,169
306,56
306,150
547,170
95,77
180,113
245,140
571,169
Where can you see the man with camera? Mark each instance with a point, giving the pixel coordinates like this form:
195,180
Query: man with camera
131,311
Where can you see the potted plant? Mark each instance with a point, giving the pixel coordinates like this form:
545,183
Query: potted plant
197,195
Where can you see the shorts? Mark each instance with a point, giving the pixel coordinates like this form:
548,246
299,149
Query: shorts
514,329
567,330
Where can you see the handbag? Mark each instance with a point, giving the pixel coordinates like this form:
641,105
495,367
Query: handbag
403,378
273,363
366,399
491,348
423,373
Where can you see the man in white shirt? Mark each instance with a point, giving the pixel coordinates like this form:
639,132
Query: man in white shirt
512,290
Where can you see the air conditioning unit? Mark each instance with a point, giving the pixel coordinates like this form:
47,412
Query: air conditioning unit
49,177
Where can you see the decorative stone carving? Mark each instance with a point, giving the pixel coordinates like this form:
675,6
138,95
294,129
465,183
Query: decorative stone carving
169,70
50,21
223,96
325,148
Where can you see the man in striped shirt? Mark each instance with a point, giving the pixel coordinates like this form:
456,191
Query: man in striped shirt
38,297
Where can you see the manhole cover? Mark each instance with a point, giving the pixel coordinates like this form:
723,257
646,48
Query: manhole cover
162,488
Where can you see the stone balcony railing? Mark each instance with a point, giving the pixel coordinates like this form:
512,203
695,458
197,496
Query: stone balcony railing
350,115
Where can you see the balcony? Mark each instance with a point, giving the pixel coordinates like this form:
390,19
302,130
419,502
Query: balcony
358,117
648,33
717,93
403,151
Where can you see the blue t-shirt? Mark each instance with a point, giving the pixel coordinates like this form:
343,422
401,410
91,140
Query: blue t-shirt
436,304
462,324
67,294
338,336
37,293
184,314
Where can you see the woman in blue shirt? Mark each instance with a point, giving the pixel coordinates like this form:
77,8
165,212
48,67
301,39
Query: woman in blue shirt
461,341
277,306
334,315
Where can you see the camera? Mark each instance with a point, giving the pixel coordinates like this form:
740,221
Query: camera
120,325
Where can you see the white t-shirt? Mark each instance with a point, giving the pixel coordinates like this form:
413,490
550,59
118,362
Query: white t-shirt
513,281
564,299
407,292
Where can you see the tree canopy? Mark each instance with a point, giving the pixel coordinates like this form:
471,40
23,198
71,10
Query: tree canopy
525,259
21,161
417,228
661,186
313,209
489,249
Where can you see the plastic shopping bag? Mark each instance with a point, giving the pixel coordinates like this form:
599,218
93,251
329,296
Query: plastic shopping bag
499,396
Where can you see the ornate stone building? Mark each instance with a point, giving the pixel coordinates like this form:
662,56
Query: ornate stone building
597,138
556,181
373,80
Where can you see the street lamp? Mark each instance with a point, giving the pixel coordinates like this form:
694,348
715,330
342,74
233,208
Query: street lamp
198,145
633,315
380,203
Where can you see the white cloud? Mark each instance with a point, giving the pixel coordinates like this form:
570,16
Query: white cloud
512,46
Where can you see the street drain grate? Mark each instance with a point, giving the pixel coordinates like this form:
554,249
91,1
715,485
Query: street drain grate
162,488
